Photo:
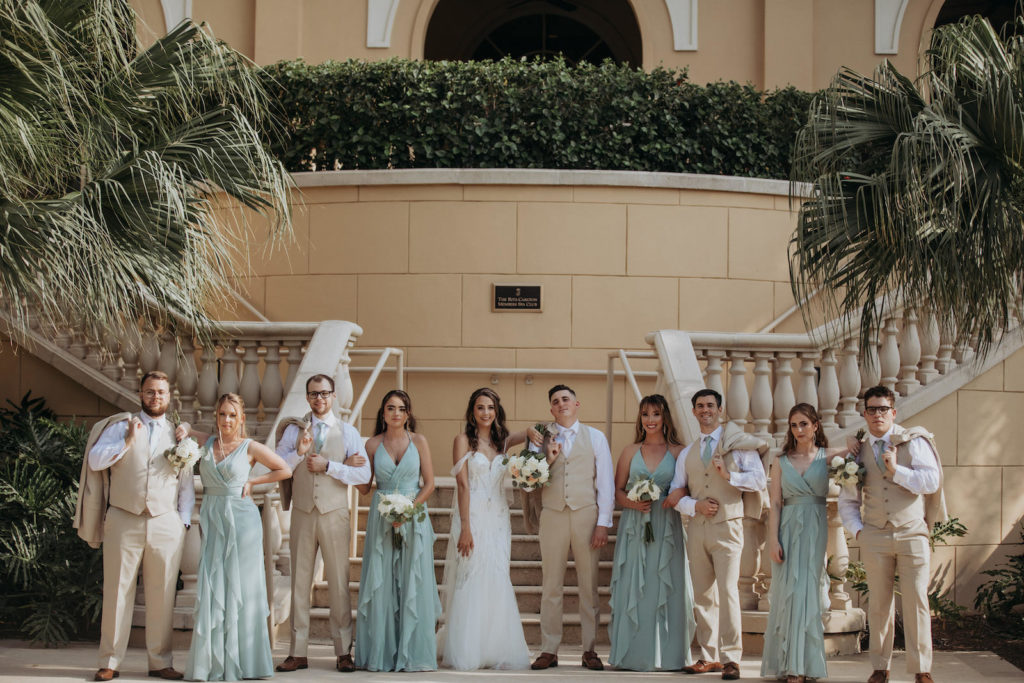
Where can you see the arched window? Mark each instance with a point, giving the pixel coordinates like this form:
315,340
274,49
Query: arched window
579,30
1000,13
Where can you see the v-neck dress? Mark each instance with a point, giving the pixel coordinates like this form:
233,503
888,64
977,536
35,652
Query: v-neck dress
795,637
229,639
398,601
652,596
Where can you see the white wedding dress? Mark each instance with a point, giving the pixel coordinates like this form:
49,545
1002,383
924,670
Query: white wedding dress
482,628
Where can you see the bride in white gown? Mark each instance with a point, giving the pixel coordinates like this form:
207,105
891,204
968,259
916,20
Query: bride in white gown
482,627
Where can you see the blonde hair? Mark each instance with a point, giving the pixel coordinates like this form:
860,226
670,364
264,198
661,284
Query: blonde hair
239,403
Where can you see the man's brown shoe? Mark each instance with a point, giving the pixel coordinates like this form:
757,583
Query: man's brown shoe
702,667
292,663
106,675
592,661
166,673
879,676
923,678
545,660
731,672
345,664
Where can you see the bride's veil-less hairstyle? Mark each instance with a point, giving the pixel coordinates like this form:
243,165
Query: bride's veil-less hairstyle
499,432
668,427
239,404
410,421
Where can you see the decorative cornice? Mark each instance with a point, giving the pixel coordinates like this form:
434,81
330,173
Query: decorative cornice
683,16
380,18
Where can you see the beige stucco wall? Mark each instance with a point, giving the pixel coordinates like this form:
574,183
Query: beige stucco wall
768,43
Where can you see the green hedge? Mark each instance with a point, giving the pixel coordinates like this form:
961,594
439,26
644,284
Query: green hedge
537,114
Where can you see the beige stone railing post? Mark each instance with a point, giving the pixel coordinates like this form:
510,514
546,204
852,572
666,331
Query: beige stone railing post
828,389
737,402
910,354
889,354
849,383
784,398
929,348
761,398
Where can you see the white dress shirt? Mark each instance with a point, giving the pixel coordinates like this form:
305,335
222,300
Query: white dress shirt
346,474
921,478
604,478
110,448
750,477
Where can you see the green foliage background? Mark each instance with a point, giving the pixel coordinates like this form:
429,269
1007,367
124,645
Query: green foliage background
50,580
528,114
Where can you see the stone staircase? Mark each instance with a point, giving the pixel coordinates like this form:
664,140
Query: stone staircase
525,572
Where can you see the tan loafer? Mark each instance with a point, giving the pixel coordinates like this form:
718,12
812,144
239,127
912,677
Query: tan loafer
345,664
879,676
545,661
592,661
106,675
702,667
923,678
292,663
731,671
166,673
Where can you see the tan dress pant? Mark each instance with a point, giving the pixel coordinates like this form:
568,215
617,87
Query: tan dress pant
561,531
328,532
886,552
155,543
715,551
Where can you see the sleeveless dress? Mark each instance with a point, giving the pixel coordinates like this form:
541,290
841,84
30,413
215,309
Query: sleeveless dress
652,597
229,640
398,603
794,642
482,624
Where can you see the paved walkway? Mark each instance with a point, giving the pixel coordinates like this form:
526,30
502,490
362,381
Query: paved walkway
21,663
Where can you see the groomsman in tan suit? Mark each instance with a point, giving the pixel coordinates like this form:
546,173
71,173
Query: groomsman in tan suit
712,474
577,506
133,502
317,492
892,516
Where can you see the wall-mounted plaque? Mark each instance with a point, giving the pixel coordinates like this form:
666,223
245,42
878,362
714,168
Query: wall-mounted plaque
516,297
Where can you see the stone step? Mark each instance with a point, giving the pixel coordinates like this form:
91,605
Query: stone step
524,546
522,572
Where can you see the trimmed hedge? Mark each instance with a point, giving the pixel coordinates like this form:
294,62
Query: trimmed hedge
529,114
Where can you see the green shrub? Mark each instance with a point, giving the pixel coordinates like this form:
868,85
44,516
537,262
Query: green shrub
1001,598
529,114
51,580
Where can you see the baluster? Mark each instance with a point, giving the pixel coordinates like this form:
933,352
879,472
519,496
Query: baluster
713,372
838,554
228,368
828,389
343,385
929,348
63,337
207,392
849,383
150,352
294,360
870,369
737,404
168,362
750,561
77,347
784,397
964,352
945,362
185,599
761,400
807,389
131,345
272,389
910,354
271,544
111,357
249,386
188,379
889,355
94,355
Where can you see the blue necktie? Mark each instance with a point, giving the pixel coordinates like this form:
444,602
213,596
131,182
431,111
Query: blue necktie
152,433
705,456
319,439
879,446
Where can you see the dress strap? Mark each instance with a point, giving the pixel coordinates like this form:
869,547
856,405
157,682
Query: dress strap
461,462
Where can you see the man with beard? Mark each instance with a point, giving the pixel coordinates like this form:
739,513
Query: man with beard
134,502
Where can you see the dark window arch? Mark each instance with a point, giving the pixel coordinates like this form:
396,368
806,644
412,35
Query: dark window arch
578,30
1000,13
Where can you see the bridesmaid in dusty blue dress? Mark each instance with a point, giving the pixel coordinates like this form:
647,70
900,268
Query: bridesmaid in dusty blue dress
797,534
230,640
652,598
398,601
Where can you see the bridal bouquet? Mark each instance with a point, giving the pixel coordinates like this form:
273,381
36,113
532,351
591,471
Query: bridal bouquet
644,489
399,509
183,455
529,469
847,470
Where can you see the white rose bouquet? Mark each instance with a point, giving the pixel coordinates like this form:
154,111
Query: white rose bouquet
184,455
643,489
399,509
847,470
529,469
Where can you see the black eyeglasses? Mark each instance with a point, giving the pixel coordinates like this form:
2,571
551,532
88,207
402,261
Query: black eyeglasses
318,394
877,410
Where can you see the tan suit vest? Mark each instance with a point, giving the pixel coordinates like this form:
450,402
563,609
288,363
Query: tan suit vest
705,482
885,500
572,480
143,482
320,490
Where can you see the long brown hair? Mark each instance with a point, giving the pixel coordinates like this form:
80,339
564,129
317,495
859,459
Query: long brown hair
410,421
238,403
808,411
499,432
668,427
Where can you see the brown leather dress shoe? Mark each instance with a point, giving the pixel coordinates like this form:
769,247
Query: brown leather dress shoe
879,676
166,673
106,675
731,671
923,678
345,664
702,667
545,660
292,663
592,661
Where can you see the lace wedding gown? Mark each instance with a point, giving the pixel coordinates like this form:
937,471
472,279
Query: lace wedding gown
482,627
